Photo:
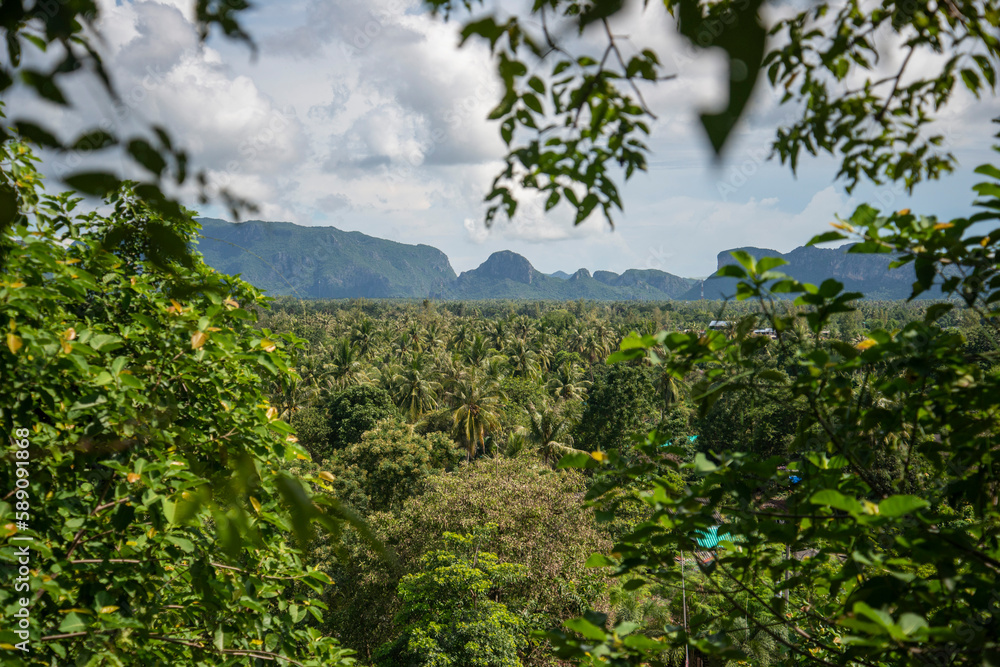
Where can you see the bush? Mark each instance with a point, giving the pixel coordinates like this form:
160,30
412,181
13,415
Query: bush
540,524
353,411
392,461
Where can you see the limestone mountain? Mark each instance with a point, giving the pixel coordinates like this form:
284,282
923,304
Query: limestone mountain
323,262
326,262
866,273
507,275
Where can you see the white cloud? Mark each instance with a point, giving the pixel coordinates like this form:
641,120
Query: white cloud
366,116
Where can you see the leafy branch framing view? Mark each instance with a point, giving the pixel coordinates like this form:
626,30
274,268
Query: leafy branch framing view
172,511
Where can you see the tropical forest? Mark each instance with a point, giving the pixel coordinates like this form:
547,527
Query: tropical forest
223,447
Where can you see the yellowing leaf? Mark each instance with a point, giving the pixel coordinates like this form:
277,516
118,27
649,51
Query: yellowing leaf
69,334
132,477
905,211
325,475
256,504
843,226
268,345
110,609
175,307
198,338
14,343
869,507
866,343
17,285
272,413
231,304
302,457
256,642
291,438
985,242
943,225
598,456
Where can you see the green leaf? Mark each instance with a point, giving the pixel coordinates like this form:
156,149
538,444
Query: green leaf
95,183
746,260
702,464
37,134
185,544
147,156
768,263
910,623
73,622
836,500
93,141
586,628
531,101
894,506
300,506
600,560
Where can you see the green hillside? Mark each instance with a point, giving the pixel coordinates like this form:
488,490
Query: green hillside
323,262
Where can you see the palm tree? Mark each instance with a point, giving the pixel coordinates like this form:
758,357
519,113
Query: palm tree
413,390
461,337
347,368
364,336
476,351
543,348
499,333
523,360
548,430
290,394
476,404
568,383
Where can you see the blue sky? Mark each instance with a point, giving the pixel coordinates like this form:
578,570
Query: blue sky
366,116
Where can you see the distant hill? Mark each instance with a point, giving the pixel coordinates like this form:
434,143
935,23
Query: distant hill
323,262
507,275
869,274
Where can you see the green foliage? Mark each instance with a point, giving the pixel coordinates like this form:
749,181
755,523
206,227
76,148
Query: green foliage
540,525
450,614
312,428
751,422
619,404
353,411
878,543
392,462
572,121
161,526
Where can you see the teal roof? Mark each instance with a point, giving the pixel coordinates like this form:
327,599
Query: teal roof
710,537
689,438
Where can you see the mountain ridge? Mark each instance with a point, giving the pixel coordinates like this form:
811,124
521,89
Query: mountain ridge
326,262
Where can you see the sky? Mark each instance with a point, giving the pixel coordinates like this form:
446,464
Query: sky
365,115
